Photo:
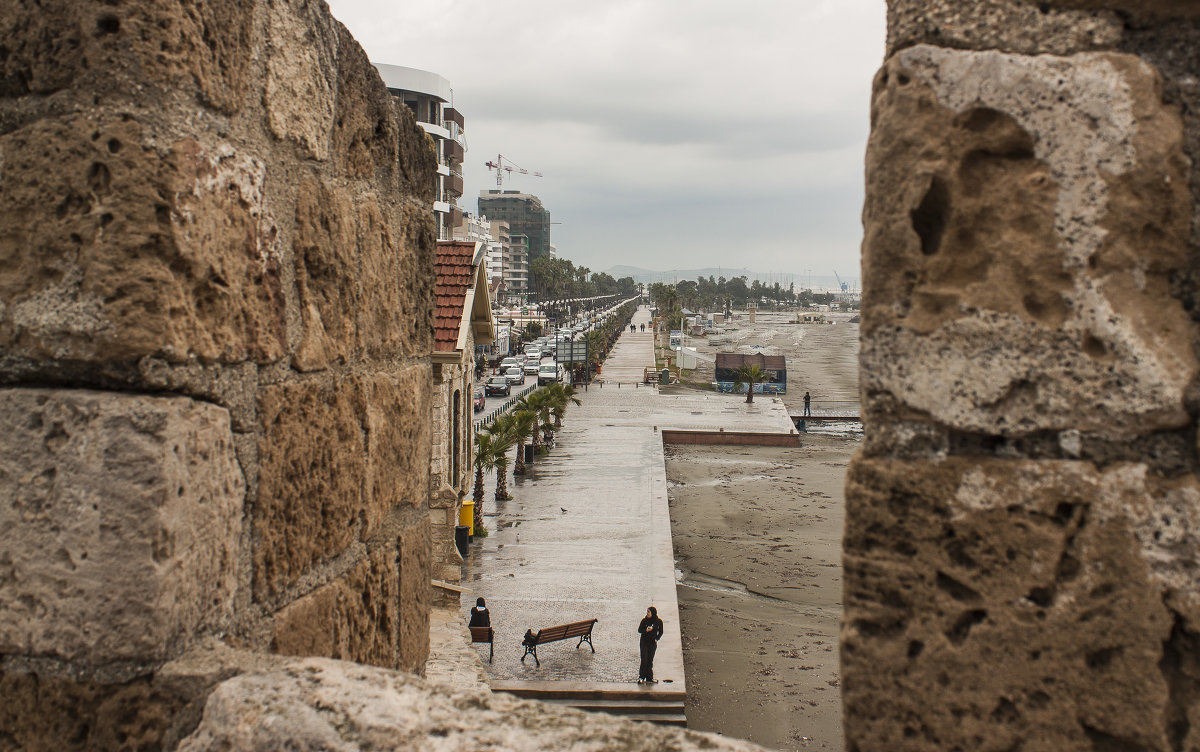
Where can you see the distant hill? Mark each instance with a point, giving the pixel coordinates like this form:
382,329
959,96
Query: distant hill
816,282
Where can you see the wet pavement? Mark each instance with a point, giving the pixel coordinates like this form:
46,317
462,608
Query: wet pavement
588,534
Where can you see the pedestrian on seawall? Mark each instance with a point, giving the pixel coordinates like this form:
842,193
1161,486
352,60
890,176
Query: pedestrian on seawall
807,405
650,631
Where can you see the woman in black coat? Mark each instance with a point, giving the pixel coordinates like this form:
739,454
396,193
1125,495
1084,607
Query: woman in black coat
650,630
479,615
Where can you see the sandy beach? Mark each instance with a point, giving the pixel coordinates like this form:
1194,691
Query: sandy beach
757,535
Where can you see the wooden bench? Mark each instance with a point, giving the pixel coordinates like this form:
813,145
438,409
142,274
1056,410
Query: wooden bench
484,634
580,629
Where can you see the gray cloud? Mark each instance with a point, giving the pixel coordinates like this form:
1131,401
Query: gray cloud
670,133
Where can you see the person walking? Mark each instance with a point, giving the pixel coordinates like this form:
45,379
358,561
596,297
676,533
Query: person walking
650,631
479,614
807,405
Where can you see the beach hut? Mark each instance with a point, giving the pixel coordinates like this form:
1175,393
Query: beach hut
774,365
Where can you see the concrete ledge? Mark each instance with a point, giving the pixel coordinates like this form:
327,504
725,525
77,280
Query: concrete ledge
740,438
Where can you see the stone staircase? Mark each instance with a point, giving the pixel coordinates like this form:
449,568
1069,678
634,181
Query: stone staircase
655,704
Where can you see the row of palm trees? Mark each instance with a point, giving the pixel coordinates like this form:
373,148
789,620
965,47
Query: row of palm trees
534,417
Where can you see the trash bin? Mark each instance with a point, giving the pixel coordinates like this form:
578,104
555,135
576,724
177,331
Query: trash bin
665,376
466,515
462,538
529,453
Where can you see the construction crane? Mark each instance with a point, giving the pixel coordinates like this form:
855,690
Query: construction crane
502,165
845,287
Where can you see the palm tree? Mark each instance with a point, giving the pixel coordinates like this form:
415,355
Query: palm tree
562,395
535,404
523,426
751,375
503,433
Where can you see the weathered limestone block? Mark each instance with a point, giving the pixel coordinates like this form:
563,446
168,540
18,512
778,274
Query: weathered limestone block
415,570
95,46
1024,217
301,87
312,468
113,249
397,443
364,288
1006,25
327,275
1141,9
319,704
121,517
354,618
365,133
1075,587
397,248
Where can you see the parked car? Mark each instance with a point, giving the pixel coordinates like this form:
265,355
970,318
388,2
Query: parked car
497,386
515,375
478,399
549,373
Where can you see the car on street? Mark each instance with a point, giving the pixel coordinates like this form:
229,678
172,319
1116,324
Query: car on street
531,368
549,373
509,362
497,386
478,399
515,375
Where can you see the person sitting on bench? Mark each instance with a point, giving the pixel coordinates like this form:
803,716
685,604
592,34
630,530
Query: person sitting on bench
479,614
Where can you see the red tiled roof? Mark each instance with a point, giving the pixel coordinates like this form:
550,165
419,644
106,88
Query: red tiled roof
454,279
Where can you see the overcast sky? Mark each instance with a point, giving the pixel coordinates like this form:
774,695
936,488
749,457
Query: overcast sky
671,133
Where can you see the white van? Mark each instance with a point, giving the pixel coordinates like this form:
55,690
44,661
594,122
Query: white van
549,373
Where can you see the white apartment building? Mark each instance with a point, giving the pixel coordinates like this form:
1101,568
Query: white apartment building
430,98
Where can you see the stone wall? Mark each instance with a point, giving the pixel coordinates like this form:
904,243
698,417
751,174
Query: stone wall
446,492
215,280
1023,519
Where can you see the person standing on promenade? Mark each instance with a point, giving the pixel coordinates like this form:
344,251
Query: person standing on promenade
807,405
479,614
650,630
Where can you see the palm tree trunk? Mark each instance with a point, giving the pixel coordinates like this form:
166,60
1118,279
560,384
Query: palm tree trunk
750,393
477,519
478,495
519,465
502,484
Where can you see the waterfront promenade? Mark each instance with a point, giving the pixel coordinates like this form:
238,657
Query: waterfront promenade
588,533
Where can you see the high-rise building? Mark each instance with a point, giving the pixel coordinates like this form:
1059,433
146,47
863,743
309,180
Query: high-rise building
430,98
525,216
516,264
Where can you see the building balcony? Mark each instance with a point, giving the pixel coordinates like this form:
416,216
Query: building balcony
436,131
454,116
443,169
441,206
454,152
454,184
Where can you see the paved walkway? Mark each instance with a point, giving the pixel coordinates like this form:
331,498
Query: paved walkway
588,534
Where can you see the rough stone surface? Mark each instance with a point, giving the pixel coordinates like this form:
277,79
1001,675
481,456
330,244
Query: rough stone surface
1074,586
1024,219
327,275
366,132
397,250
355,618
51,46
319,704
1140,9
300,94
121,516
1007,25
310,482
144,252
397,445
415,593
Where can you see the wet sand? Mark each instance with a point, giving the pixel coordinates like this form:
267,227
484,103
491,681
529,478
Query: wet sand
757,535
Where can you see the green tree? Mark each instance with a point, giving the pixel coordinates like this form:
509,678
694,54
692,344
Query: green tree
503,433
524,425
750,375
